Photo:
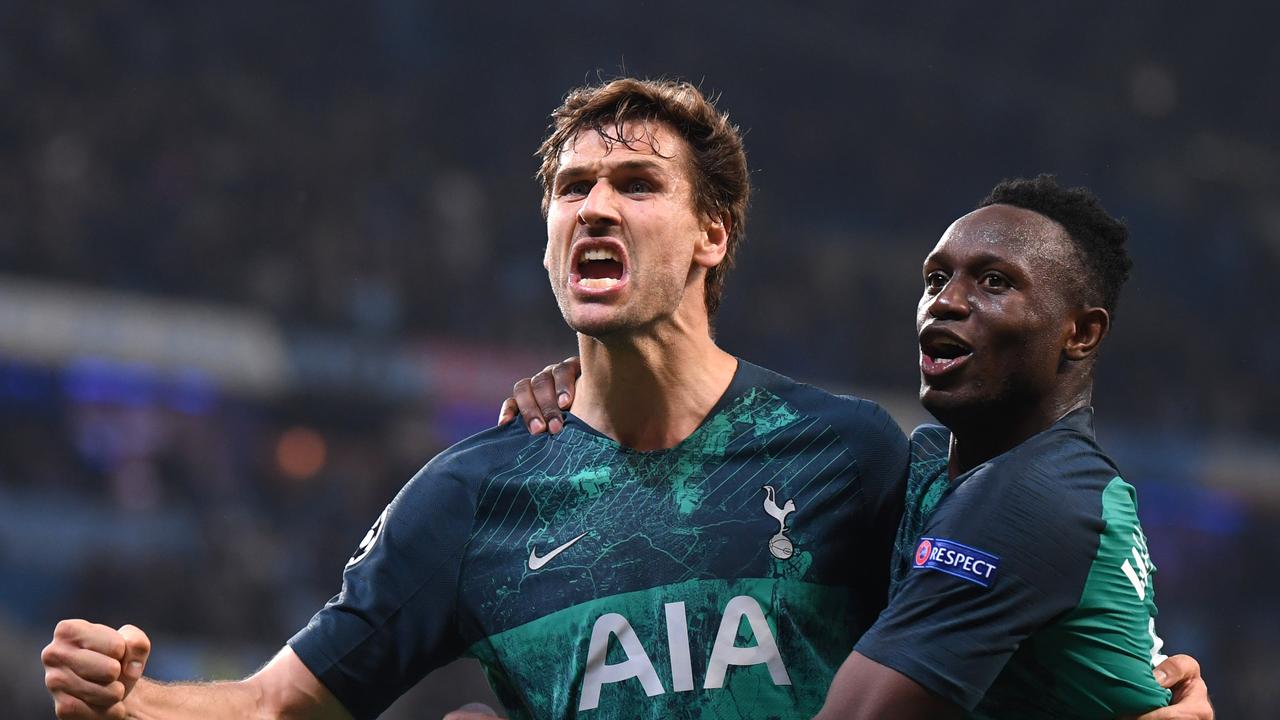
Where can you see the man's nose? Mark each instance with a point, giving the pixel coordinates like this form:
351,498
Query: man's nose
600,208
952,301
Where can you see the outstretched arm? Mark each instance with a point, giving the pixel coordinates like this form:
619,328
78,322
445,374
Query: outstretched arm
540,399
95,672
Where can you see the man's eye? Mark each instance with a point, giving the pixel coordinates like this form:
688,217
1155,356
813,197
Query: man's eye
995,281
576,188
935,281
639,186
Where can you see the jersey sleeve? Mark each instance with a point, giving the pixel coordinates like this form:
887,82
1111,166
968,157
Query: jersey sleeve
1000,558
927,483
395,617
882,454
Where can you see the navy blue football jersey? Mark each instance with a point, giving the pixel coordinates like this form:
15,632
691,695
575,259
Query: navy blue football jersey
726,577
1023,588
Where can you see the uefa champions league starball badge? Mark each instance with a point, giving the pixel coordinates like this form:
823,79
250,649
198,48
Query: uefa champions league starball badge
780,546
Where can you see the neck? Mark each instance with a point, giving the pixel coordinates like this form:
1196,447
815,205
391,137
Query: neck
982,436
651,390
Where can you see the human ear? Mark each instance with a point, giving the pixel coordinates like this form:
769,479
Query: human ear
713,242
1087,329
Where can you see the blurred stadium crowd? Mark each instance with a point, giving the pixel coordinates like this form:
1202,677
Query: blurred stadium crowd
259,262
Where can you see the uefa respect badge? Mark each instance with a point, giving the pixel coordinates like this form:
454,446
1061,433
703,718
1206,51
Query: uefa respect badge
958,559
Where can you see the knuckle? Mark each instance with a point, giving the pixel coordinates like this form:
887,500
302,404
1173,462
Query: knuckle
117,647
51,654
64,706
114,693
55,681
520,386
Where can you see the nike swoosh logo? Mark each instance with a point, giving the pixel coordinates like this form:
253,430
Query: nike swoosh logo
536,562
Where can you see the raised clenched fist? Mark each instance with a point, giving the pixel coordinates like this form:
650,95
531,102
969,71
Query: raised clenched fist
90,669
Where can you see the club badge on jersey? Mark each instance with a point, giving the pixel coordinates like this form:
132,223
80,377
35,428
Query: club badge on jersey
780,545
370,539
956,559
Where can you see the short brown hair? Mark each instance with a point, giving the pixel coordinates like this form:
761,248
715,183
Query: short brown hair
718,164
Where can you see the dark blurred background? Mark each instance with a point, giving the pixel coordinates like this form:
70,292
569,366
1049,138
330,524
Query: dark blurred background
260,261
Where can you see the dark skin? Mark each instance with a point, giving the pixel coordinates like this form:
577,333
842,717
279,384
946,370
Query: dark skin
995,293
1006,350
1008,344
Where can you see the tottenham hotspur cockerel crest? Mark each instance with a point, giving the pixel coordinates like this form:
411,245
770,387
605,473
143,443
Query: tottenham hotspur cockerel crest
780,546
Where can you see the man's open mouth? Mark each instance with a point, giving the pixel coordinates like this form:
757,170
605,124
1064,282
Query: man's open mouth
942,351
598,267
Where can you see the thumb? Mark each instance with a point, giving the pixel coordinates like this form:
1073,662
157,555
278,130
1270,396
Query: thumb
137,650
508,412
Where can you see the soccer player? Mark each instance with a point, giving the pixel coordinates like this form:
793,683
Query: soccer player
1030,593
702,538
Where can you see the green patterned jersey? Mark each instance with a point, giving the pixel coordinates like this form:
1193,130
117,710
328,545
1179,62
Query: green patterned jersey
1023,588
727,577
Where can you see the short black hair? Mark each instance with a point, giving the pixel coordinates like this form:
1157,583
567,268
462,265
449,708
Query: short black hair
1097,235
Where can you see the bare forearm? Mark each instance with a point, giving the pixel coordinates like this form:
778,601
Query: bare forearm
282,690
240,700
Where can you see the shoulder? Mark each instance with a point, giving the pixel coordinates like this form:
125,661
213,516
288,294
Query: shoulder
927,480
471,460
857,419
457,475
1038,504
930,444
1062,464
443,494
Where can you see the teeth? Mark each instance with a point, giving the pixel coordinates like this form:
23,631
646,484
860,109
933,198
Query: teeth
598,283
599,254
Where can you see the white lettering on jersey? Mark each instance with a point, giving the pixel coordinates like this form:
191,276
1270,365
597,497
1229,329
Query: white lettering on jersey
1157,644
678,642
637,664
1139,573
724,653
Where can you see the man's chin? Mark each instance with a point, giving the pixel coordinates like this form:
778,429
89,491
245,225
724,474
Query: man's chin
599,328
948,406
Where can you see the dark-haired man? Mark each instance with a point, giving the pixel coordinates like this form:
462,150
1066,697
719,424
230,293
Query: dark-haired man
1027,592
681,548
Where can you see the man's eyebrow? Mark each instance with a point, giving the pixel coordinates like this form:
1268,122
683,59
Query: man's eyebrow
976,260
625,165
990,258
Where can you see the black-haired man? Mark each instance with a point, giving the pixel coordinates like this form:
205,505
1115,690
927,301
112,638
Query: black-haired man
1028,594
